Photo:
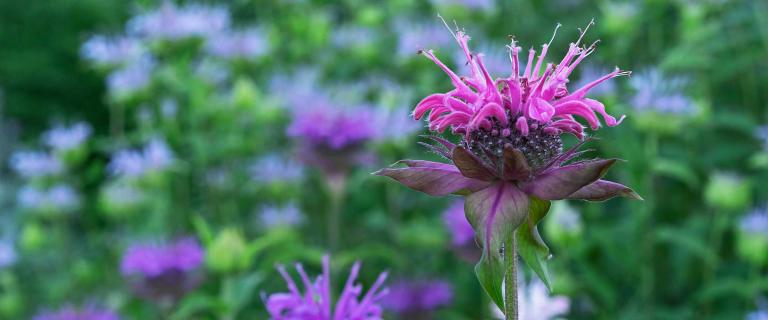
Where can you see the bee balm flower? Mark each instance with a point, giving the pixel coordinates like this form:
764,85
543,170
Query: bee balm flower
315,303
510,157
163,272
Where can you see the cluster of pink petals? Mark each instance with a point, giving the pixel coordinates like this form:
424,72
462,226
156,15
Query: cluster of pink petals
520,101
315,303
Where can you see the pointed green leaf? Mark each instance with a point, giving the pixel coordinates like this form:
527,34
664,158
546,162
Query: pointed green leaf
529,243
490,273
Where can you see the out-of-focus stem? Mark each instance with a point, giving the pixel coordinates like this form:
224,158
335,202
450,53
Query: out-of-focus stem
337,185
510,278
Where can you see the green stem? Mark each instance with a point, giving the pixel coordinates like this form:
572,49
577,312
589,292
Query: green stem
337,184
510,278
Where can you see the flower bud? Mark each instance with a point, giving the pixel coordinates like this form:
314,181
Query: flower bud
227,253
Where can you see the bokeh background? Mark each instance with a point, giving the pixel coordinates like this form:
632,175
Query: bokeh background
248,130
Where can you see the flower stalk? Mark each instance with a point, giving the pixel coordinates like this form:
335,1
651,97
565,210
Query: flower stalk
510,278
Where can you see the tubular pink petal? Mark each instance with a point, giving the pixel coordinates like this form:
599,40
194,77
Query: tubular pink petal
288,280
456,104
514,56
348,293
541,110
463,40
540,60
529,65
598,107
515,96
438,112
491,110
325,287
309,289
427,104
522,125
580,109
491,92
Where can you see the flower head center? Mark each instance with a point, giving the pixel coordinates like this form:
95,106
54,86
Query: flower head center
539,145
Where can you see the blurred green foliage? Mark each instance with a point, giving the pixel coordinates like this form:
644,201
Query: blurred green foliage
680,254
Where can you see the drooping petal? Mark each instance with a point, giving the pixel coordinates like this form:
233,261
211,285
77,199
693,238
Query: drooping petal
470,165
427,104
515,165
433,178
602,190
560,183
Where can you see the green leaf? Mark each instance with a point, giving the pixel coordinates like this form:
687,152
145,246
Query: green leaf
237,291
529,243
494,213
490,273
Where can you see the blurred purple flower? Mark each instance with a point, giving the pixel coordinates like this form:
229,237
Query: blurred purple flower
33,164
212,71
169,22
484,5
62,138
239,44
757,315
333,128
63,197
762,133
169,107
104,50
756,222
123,194
71,313
352,36
458,226
315,303
415,299
394,123
130,78
413,37
286,216
275,168
7,254
163,271
155,156
654,92
60,197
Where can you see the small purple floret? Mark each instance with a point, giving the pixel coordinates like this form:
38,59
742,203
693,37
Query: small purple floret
418,297
315,302
72,313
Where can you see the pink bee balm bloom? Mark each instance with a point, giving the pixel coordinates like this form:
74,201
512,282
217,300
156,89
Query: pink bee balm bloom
510,161
534,99
315,303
